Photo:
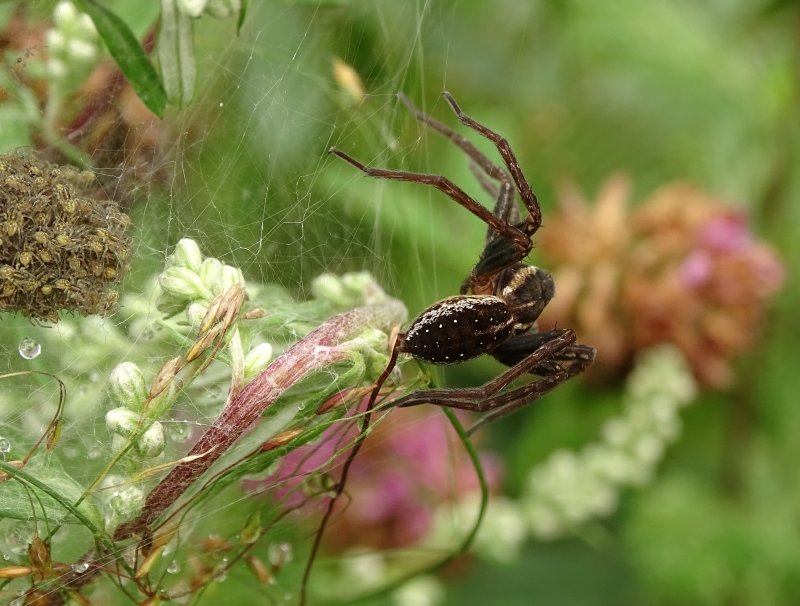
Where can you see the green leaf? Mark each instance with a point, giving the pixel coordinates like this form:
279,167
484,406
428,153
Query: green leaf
129,55
16,503
242,14
175,54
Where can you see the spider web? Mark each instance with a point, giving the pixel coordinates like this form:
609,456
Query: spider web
244,171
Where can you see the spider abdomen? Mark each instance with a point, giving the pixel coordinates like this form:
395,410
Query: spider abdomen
458,328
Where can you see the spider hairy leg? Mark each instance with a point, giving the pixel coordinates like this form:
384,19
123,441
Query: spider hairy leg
521,240
490,396
534,221
573,359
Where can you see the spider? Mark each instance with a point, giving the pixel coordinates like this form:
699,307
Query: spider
496,312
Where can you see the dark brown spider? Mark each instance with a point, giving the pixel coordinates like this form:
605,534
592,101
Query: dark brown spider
496,311
501,299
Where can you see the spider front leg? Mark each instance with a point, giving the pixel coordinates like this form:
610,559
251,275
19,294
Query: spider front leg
534,221
516,243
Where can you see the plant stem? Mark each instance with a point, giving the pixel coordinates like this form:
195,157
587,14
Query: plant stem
318,349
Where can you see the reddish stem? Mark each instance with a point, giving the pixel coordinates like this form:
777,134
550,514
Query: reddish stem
316,350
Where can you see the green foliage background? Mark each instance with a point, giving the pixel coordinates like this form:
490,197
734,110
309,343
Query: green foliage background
663,90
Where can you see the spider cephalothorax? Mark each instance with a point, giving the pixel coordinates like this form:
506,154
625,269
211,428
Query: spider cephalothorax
501,299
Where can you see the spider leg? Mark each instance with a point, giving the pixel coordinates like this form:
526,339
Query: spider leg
528,197
524,397
573,359
489,167
490,397
505,203
521,242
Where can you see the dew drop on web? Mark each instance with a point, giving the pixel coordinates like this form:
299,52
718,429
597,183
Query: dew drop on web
180,431
29,348
80,567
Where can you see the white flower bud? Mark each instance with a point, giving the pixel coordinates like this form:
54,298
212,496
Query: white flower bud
223,9
65,14
183,283
210,272
329,288
57,69
127,386
122,421
196,313
187,254
81,51
257,360
420,591
151,444
230,277
84,27
118,442
55,41
192,8
126,502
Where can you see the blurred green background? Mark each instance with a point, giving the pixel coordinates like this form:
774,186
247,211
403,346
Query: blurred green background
662,90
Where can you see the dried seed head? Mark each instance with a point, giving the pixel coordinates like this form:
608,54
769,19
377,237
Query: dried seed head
51,228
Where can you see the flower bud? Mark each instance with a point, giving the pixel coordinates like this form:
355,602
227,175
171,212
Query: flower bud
151,444
328,287
257,360
84,27
192,8
64,15
230,277
196,313
183,283
210,272
81,50
127,386
55,40
122,421
187,254
126,502
223,9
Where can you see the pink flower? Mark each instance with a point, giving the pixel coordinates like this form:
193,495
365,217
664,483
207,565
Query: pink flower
411,462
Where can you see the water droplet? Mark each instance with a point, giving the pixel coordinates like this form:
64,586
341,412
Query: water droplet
180,431
80,567
29,349
279,554
174,567
6,556
221,576
94,377
5,445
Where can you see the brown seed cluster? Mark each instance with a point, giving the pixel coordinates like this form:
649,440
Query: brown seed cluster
59,250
